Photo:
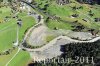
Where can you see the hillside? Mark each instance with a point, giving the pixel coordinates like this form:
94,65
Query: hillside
49,30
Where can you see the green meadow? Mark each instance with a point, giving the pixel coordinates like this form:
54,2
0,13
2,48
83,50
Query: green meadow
8,35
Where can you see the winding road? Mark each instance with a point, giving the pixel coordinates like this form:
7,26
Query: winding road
53,41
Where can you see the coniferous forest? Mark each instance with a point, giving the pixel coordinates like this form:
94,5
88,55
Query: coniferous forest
75,50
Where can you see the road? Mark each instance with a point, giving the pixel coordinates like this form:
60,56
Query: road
32,28
53,41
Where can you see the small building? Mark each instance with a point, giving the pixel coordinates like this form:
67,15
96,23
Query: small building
62,2
97,19
19,22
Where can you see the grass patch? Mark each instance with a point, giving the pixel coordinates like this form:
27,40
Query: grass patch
62,11
59,25
50,38
66,11
9,34
8,29
5,58
4,11
27,23
21,59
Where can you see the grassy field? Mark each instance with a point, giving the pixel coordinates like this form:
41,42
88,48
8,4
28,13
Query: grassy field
59,25
66,11
62,11
9,34
8,29
50,38
5,58
5,11
21,59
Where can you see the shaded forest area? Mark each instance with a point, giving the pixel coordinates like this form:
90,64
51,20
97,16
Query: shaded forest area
77,49
90,1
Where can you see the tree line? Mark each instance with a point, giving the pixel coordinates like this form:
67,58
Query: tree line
89,1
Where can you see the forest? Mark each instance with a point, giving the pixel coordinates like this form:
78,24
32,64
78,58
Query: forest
77,49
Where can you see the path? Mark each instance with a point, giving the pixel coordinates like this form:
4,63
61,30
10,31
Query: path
17,36
13,57
51,43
